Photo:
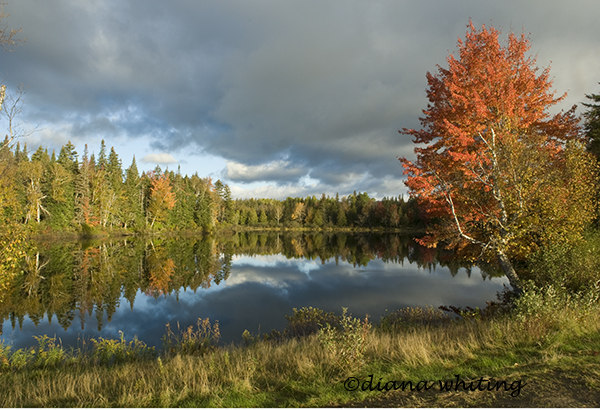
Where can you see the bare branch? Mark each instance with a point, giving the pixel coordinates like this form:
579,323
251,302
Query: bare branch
448,197
8,36
13,108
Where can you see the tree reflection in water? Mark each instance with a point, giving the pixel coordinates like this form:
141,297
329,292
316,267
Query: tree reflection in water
86,278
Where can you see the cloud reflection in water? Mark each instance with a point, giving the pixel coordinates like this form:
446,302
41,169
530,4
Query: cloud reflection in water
262,289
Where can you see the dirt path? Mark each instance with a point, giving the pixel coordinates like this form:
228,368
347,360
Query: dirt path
545,388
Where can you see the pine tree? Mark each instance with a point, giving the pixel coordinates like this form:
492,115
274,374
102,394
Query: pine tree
68,158
102,161
41,155
83,194
263,217
341,216
225,202
22,156
252,217
133,206
60,195
115,170
182,214
592,124
114,177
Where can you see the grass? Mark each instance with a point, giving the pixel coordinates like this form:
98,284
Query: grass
550,342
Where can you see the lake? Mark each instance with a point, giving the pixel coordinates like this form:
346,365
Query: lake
251,280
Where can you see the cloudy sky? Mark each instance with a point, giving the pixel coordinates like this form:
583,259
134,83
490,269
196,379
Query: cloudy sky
275,98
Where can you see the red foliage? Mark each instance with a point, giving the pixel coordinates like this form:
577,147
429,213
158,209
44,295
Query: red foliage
487,120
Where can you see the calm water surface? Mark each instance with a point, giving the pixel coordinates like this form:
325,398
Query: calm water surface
250,281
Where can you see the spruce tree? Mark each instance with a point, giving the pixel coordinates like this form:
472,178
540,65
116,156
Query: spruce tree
592,124
83,194
133,208
68,158
102,161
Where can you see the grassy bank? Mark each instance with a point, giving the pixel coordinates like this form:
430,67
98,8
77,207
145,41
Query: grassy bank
545,349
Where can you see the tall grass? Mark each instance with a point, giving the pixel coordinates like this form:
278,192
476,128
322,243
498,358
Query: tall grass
294,371
306,363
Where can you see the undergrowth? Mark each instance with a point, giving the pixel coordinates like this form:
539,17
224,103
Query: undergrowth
307,363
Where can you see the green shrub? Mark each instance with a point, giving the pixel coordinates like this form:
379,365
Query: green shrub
346,341
573,267
550,309
197,342
111,351
307,321
48,353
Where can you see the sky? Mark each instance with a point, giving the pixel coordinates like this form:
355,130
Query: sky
275,98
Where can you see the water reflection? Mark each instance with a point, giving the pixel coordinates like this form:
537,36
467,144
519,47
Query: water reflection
247,281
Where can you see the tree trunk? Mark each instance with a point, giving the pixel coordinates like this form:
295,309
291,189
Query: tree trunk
510,273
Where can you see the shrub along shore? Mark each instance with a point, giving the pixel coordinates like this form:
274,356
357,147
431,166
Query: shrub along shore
538,351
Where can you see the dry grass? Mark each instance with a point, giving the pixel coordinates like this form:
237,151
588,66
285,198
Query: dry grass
306,372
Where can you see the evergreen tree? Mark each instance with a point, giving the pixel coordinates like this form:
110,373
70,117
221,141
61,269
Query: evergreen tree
341,216
252,217
41,155
263,217
114,177
102,161
17,148
182,214
133,206
60,195
68,158
115,171
205,208
592,124
83,194
22,156
317,218
225,203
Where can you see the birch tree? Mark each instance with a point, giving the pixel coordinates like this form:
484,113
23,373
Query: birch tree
496,174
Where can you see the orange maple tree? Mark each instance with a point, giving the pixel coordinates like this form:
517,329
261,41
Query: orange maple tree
496,175
162,196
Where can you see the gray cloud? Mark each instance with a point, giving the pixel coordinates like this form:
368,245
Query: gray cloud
321,86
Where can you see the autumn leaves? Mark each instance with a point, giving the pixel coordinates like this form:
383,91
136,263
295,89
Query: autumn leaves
498,175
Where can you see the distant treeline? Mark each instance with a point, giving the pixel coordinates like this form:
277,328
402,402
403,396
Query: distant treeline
356,210
87,193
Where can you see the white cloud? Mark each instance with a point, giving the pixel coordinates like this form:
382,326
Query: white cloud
270,191
276,170
162,158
